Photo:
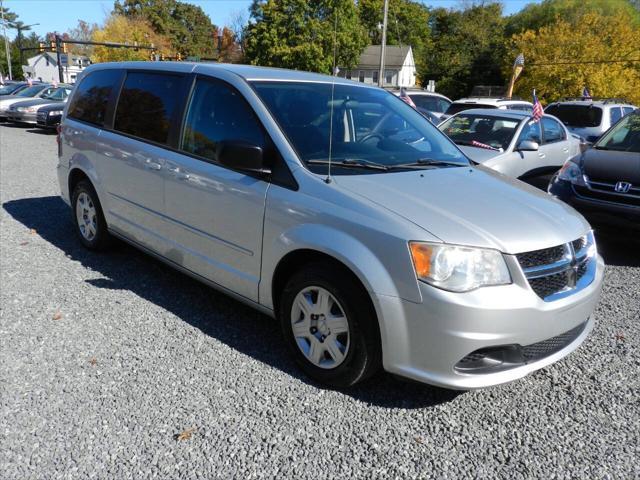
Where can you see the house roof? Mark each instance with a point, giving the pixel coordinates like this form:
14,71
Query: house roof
394,56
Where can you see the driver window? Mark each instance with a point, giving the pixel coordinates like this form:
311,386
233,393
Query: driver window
531,131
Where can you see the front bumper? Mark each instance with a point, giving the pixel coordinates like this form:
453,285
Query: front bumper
425,341
597,212
21,117
48,121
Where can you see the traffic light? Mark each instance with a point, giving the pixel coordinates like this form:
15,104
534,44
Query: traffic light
42,47
65,48
53,46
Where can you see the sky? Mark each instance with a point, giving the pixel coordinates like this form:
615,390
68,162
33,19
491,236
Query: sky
61,15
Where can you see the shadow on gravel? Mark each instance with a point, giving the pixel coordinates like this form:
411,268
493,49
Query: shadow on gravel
249,332
619,248
43,131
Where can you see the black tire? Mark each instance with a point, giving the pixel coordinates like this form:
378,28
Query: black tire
101,240
364,355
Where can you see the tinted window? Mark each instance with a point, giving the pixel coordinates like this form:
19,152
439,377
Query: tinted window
217,113
628,110
522,108
459,107
615,114
624,137
576,115
147,104
465,129
553,131
89,103
31,91
433,104
531,131
11,89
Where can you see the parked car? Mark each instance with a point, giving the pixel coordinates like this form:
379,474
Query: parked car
50,115
589,118
603,183
11,88
432,104
510,142
34,91
487,103
26,111
336,208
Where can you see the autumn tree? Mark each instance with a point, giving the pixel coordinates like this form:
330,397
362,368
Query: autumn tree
554,52
132,31
82,31
299,34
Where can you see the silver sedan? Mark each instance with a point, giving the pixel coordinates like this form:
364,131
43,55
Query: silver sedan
512,142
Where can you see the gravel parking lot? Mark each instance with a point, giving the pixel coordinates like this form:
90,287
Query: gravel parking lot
105,359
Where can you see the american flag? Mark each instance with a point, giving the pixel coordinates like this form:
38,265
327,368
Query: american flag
29,81
585,94
475,143
537,108
519,61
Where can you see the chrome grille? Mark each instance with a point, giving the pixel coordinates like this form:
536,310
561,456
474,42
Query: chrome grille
558,271
41,117
606,191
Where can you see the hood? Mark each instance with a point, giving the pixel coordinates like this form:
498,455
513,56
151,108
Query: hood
610,166
53,106
6,102
31,102
472,206
480,155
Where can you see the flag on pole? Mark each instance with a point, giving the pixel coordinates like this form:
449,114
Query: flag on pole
404,96
518,66
29,81
1,80
585,94
336,71
55,83
537,108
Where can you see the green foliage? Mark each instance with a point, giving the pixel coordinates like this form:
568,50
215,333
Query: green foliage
187,27
299,34
467,49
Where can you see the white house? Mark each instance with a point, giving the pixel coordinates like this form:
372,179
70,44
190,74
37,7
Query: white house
399,66
44,66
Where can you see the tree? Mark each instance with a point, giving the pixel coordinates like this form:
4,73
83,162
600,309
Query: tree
187,26
468,48
590,37
121,29
408,24
84,32
299,34
238,25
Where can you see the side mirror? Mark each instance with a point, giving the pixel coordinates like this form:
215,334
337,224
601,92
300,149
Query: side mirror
242,156
527,146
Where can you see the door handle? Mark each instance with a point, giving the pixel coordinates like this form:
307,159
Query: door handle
541,155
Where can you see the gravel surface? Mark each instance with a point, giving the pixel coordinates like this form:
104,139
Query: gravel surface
105,359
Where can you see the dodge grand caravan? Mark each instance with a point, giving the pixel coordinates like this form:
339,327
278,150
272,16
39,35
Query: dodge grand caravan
336,208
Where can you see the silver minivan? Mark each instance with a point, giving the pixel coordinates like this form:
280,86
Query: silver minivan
336,208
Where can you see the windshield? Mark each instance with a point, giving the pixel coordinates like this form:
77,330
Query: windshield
371,128
460,107
432,104
13,88
624,137
58,94
489,130
576,115
31,91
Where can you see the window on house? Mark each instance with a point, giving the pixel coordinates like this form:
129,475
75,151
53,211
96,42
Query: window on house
375,77
348,75
361,76
388,77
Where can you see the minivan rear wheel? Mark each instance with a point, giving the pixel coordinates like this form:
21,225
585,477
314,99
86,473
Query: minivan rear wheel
88,218
330,326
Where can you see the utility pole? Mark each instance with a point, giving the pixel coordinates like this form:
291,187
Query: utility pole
383,43
20,28
6,41
58,58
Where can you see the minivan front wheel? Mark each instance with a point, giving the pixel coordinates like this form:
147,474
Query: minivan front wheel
330,326
88,218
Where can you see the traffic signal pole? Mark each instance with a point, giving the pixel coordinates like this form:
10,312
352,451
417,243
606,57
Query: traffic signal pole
59,58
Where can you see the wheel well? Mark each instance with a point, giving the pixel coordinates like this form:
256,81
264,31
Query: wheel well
75,177
298,259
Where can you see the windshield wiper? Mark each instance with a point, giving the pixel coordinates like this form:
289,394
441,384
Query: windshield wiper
351,163
427,162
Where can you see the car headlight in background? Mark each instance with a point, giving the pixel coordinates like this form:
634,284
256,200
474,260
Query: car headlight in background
458,269
570,172
27,109
53,113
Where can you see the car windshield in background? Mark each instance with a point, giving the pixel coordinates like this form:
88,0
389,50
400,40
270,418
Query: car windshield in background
58,94
31,91
372,130
461,107
465,129
624,137
9,89
576,115
432,104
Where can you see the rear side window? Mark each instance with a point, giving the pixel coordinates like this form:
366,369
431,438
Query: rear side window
89,103
615,114
553,131
576,115
217,113
628,110
147,104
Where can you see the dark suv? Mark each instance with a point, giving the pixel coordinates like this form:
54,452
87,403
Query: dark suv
603,183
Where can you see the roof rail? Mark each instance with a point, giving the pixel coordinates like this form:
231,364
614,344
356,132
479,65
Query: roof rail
592,99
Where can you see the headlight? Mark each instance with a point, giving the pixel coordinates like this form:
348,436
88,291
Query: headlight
569,172
458,269
55,112
20,109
